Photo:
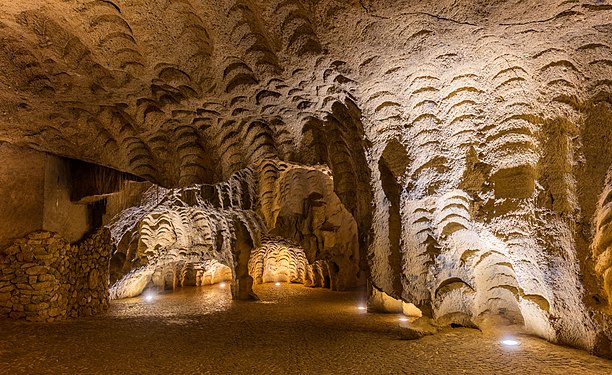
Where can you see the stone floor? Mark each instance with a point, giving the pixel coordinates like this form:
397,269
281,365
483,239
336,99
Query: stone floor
292,330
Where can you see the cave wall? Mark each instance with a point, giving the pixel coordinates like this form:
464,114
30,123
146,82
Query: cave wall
299,203
44,278
35,189
60,213
22,181
281,260
167,233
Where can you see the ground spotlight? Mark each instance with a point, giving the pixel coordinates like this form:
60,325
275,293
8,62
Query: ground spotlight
277,283
222,285
510,342
361,308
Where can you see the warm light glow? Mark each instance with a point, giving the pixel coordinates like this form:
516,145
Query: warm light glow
510,342
149,297
361,307
222,285
277,283
403,319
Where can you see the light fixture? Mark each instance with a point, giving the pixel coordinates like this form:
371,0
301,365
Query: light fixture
149,297
361,308
222,285
403,319
510,342
277,283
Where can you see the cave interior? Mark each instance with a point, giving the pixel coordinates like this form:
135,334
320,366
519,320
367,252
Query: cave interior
450,159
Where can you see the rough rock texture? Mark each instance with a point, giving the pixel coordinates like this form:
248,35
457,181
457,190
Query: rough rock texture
277,260
36,196
212,272
416,329
299,203
280,260
380,302
175,232
469,140
44,278
171,234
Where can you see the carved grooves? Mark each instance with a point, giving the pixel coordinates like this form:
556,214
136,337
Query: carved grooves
30,71
191,154
461,112
116,36
179,230
464,115
237,75
452,213
297,31
597,57
259,141
529,273
138,155
245,142
250,38
602,243
212,272
299,203
421,251
269,173
346,158
454,289
278,260
425,128
183,236
196,44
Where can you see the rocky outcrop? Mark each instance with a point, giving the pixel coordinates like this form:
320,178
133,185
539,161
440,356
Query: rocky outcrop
45,278
172,233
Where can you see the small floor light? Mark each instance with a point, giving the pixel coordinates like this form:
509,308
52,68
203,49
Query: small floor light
510,342
149,297
277,283
222,285
361,308
403,319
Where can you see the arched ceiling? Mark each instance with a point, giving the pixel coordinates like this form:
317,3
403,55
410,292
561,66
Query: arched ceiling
189,91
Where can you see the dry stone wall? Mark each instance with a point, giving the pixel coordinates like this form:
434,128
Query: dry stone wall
45,278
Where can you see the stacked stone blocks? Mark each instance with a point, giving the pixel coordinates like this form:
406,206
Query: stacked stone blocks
45,278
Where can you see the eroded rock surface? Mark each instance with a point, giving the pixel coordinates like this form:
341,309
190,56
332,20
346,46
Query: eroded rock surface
175,233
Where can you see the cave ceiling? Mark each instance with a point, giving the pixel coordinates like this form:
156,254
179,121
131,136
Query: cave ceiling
182,92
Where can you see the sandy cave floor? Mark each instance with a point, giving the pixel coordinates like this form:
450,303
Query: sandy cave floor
292,330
